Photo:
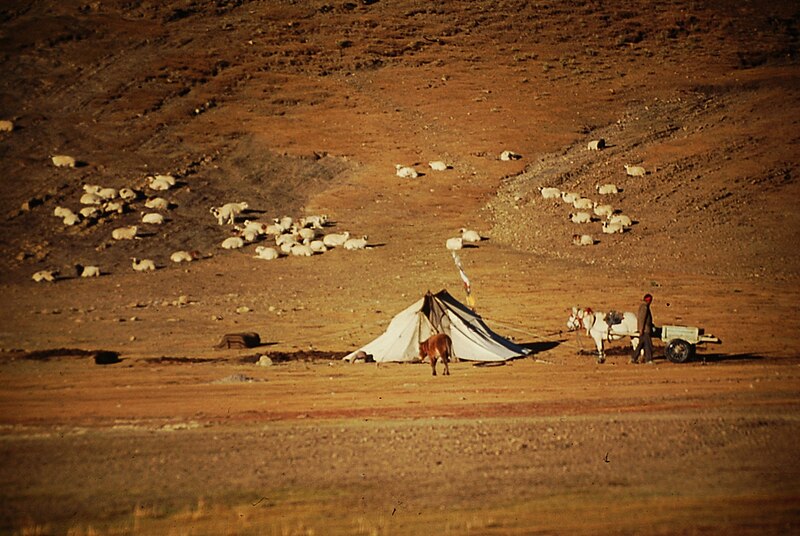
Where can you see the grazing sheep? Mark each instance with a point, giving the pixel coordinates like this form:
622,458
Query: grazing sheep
603,211
569,197
316,221
621,219
405,172
184,256
227,213
583,240
266,253
161,182
505,156
143,265
48,276
454,244
233,242
438,165
581,217
607,189
468,235
596,145
90,198
128,194
153,218
6,125
87,271
333,240
635,171
62,160
157,203
353,244
317,246
611,228
301,250
550,193
583,203
125,233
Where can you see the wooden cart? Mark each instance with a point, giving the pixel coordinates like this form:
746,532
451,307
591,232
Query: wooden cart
681,341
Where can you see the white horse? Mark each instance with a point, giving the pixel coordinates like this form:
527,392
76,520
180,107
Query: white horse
594,322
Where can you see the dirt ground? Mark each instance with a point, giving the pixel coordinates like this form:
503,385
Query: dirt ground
305,108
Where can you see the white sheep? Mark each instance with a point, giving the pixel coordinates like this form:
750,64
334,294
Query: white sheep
569,197
635,171
316,221
61,212
44,275
353,244
604,211
317,246
62,160
274,229
249,234
153,218
607,189
621,219
184,256
505,156
227,213
301,250
232,242
71,219
125,233
454,244
468,235
306,233
108,193
161,182
157,203
596,145
114,206
90,212
255,226
581,217
128,194
550,193
582,203
287,238
333,240
611,228
286,222
143,265
266,253
6,125
438,165
582,240
406,172
90,198
286,247
87,271
92,188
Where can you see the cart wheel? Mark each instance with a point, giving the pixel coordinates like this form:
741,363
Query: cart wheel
678,350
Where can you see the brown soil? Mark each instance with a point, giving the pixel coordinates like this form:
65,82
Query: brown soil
305,107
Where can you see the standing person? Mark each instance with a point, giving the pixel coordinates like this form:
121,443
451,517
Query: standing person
645,319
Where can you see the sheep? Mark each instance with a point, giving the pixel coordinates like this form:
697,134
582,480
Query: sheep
92,188
301,250
581,217
61,212
353,244
468,235
286,247
583,203
107,193
317,246
143,265
454,244
249,234
90,198
157,203
153,218
125,233
607,189
128,194
438,165
44,275
333,240
71,219
569,197
317,221
233,242
611,228
596,145
274,229
87,271
90,212
184,256
62,160
505,156
6,125
114,206
288,238
550,193
603,211
285,222
405,172
266,253
254,226
621,219
582,240
306,233
227,213
635,171
161,182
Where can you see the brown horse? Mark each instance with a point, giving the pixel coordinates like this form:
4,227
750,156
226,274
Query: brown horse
437,346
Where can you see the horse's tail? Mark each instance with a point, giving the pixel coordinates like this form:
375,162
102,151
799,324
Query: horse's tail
448,343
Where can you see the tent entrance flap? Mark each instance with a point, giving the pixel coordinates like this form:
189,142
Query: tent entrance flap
440,313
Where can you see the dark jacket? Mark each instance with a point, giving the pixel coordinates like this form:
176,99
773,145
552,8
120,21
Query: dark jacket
645,319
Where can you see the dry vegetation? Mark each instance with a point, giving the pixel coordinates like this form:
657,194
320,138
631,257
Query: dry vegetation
305,107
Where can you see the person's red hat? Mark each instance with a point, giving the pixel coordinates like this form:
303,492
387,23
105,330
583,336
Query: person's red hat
648,297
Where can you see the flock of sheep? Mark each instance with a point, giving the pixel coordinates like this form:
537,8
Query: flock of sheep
588,211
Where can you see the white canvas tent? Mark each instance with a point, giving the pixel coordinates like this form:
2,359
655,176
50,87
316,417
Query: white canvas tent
440,313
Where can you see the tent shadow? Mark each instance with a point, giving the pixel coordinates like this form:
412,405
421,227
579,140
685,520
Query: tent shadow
537,347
